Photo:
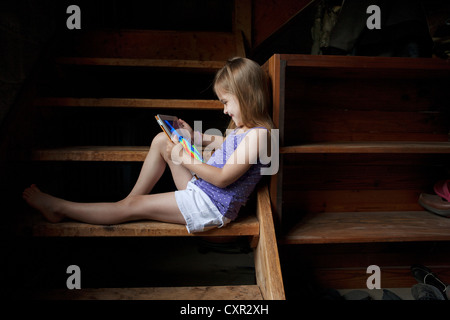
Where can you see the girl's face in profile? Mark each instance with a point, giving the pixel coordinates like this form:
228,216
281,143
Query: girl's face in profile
231,107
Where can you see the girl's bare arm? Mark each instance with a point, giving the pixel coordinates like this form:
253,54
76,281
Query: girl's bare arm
239,162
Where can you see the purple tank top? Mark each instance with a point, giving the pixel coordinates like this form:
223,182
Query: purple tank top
230,199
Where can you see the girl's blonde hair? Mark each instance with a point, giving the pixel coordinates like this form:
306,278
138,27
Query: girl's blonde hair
246,80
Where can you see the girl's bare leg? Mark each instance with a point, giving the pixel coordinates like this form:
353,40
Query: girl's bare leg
161,207
136,206
154,166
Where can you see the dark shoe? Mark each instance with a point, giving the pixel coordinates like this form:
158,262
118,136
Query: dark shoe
435,204
424,276
357,295
330,294
389,295
423,291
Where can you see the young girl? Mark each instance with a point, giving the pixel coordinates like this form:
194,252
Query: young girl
224,183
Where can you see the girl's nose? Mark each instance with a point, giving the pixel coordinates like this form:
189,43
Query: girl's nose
225,110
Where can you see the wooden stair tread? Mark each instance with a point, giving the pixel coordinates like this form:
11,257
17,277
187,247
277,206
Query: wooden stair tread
243,292
245,226
375,67
209,66
92,153
95,153
370,147
138,153
364,227
186,50
129,103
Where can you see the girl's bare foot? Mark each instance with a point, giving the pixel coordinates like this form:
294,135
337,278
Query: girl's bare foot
43,202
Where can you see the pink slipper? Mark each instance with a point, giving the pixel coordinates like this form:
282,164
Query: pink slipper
442,189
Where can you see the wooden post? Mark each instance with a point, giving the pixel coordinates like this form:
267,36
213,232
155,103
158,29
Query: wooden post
275,68
267,263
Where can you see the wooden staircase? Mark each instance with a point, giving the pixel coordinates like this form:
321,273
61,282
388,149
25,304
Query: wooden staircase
106,81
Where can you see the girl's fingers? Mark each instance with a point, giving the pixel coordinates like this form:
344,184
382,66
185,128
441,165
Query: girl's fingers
186,131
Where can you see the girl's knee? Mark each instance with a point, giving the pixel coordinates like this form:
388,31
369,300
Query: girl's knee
159,141
159,144
160,138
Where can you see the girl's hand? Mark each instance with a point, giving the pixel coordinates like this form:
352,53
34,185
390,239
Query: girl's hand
185,130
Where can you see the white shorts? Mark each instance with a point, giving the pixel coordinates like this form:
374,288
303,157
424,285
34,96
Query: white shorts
198,210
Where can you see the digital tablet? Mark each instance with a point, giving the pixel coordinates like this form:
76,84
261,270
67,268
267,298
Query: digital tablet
169,124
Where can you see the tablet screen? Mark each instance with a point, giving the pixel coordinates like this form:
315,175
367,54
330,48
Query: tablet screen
170,125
